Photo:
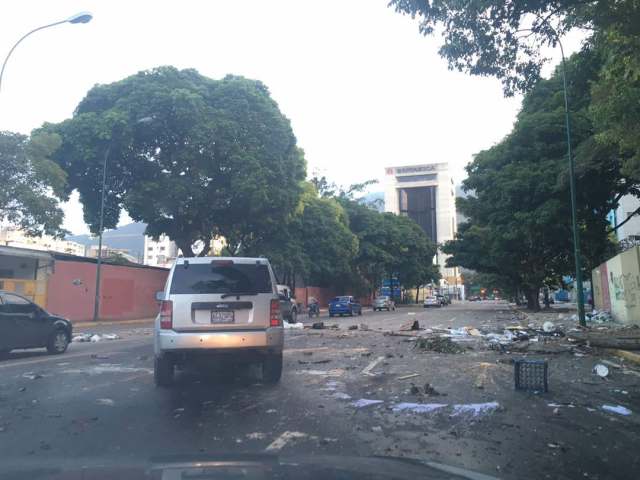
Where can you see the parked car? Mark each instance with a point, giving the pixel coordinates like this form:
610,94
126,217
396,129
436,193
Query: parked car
442,300
288,306
23,324
219,310
345,305
431,302
383,303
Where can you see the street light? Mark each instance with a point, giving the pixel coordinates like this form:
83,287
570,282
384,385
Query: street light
572,182
96,303
82,17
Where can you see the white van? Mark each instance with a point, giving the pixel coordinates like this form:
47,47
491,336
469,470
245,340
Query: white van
220,309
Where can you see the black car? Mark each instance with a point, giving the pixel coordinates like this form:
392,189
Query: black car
23,324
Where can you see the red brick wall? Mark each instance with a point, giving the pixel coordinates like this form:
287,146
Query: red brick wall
126,292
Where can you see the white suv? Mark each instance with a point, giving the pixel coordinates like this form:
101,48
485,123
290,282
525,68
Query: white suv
217,309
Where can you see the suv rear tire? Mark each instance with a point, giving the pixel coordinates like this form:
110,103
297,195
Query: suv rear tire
163,370
272,368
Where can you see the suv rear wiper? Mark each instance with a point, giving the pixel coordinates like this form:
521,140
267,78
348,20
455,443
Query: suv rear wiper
238,294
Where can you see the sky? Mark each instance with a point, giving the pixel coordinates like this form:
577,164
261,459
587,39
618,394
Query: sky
362,88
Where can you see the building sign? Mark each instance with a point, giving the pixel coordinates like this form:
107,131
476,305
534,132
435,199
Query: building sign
431,167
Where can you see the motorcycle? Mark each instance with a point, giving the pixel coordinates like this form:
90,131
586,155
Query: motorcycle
314,309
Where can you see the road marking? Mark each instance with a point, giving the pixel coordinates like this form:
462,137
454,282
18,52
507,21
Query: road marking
280,442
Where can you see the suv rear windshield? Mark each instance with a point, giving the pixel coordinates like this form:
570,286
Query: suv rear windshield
211,278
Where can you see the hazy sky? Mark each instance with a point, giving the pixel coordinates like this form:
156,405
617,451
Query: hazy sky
362,88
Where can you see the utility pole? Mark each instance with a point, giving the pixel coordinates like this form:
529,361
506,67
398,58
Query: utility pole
572,186
96,303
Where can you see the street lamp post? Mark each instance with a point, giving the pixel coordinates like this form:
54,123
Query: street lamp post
83,17
572,187
96,303
572,183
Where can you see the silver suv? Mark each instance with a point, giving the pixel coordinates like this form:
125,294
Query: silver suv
216,309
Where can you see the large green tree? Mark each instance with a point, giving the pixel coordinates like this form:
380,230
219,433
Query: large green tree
503,39
30,183
190,156
315,243
519,217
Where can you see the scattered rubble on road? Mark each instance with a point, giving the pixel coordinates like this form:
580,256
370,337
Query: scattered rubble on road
94,337
438,344
295,326
365,402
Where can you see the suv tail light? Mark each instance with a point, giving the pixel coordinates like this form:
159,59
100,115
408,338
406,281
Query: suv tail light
275,315
166,315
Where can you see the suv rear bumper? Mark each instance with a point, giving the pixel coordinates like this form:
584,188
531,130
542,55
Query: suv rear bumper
270,340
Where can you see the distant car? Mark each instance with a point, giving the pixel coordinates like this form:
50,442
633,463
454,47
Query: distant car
474,298
432,301
346,305
384,303
288,306
442,300
23,324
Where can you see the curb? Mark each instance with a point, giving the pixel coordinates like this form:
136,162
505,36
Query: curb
110,323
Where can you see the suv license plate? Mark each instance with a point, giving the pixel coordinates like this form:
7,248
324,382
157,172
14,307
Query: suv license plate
221,316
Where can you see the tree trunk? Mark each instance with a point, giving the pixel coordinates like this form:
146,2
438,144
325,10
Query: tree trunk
547,302
185,246
532,299
418,294
206,247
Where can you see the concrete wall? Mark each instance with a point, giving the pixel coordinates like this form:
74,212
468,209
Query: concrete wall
126,292
616,285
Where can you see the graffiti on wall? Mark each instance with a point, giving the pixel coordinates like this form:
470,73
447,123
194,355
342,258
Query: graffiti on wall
626,288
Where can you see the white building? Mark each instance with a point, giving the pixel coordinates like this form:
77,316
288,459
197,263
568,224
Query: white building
160,253
426,194
15,237
630,231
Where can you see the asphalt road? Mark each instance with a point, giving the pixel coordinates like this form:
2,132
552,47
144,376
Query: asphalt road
98,402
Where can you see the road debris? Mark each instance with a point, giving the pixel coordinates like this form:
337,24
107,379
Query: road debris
548,327
31,375
365,402
353,327
371,366
438,344
417,407
255,436
601,370
341,396
364,327
410,325
105,401
619,409
407,377
475,409
286,437
318,326
293,326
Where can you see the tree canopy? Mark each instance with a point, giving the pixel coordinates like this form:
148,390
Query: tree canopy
30,183
192,157
503,39
519,214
